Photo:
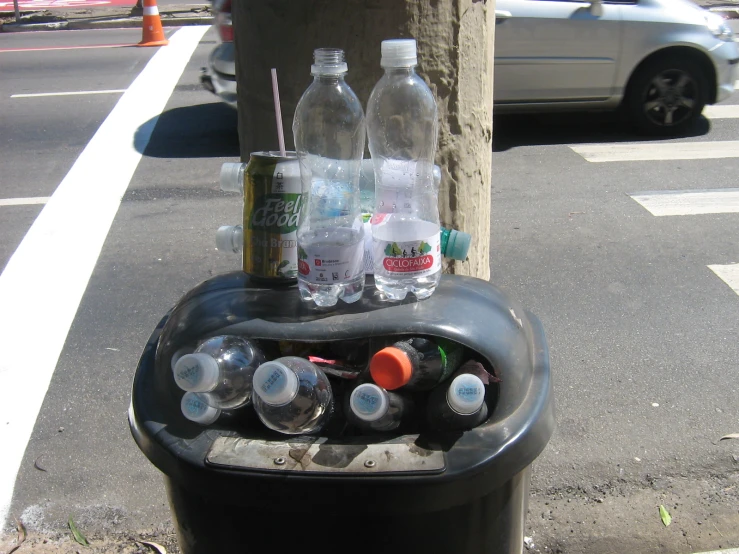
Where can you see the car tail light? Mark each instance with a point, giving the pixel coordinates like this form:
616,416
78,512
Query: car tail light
223,21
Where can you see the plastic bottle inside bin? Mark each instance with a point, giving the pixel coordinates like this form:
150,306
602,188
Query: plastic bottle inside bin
372,408
415,364
223,367
292,396
459,406
402,129
329,132
195,407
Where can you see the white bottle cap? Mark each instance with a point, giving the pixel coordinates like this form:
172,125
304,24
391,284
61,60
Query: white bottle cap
224,238
196,372
179,353
232,177
400,52
369,402
195,408
466,394
275,383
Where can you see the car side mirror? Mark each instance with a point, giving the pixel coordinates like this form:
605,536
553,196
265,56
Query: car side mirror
596,8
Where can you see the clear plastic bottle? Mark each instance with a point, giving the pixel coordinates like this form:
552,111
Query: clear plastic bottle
292,396
195,407
415,364
222,367
372,408
402,129
329,134
458,407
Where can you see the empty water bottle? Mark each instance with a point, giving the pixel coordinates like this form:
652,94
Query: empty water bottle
458,407
223,367
372,408
292,396
195,407
416,364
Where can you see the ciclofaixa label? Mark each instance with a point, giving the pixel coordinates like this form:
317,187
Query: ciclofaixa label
408,259
330,265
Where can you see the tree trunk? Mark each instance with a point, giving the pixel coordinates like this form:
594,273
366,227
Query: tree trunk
455,54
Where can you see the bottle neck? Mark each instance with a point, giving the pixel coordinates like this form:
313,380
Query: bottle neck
328,77
400,71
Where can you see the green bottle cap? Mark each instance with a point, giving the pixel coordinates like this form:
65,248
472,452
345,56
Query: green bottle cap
457,245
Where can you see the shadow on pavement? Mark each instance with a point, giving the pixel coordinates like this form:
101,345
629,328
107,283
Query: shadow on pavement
201,131
510,131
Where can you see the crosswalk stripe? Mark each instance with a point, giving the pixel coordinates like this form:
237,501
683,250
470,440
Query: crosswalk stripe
655,151
729,274
689,202
721,111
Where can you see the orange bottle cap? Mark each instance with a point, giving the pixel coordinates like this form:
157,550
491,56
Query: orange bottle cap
391,368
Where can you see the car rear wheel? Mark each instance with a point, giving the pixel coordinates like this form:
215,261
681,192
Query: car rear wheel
667,95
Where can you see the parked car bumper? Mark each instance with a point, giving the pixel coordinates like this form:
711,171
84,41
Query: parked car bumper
726,58
220,75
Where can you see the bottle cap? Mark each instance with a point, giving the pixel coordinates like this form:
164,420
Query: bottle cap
398,53
196,372
458,245
224,238
328,61
369,402
275,383
391,368
195,408
231,177
466,394
179,353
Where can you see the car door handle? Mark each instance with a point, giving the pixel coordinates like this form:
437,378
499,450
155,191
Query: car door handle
502,14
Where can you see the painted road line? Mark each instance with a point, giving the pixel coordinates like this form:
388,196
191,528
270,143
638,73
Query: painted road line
23,201
729,274
657,151
689,202
726,551
66,238
74,93
50,48
730,111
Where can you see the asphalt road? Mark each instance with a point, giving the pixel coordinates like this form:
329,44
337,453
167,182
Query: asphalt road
642,334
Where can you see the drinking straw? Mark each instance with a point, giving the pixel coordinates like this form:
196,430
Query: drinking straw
278,113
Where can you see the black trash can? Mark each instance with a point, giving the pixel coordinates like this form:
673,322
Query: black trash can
241,488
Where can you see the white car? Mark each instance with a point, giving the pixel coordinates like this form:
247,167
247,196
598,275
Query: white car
661,61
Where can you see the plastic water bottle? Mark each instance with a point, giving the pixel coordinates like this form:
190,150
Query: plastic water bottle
458,407
454,244
292,396
402,129
195,407
222,367
329,134
372,408
415,364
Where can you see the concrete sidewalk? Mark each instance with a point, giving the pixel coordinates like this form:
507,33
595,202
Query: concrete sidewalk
103,18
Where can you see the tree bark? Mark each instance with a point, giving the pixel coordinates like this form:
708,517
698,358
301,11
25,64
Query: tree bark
455,53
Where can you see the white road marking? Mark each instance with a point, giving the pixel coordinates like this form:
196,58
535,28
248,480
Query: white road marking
721,111
729,274
73,93
23,201
46,278
689,202
657,151
48,48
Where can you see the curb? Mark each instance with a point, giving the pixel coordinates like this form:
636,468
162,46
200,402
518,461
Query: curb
728,551
82,24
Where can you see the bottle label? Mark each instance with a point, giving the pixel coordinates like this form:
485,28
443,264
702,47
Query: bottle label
407,259
330,265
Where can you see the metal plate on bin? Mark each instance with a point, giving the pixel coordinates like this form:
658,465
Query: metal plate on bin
320,455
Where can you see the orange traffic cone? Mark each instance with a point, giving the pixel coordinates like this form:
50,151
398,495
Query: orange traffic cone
153,34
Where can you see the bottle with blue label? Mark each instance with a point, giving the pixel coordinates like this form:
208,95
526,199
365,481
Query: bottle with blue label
222,369
372,408
459,406
292,396
195,407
